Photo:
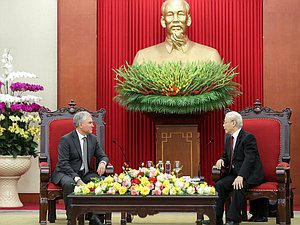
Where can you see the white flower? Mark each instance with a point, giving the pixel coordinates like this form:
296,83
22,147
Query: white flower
77,190
14,75
9,98
30,98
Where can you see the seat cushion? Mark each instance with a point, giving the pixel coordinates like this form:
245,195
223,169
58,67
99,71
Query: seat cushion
268,186
52,187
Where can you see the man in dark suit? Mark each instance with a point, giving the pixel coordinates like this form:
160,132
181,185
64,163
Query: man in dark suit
244,168
75,151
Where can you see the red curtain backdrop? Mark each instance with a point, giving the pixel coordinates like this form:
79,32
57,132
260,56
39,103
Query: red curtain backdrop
234,27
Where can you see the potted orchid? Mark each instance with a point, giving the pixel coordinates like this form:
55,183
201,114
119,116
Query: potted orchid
19,127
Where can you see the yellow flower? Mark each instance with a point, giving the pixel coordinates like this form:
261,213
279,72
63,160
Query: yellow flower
109,179
144,181
122,190
91,185
144,191
165,191
2,117
173,191
121,176
85,190
166,183
1,130
212,191
116,186
14,118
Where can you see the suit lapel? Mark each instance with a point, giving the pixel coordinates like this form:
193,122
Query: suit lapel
76,142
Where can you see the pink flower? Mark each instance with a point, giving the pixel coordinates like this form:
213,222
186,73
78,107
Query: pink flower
156,191
134,192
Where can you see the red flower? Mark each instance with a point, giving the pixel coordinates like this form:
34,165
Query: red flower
135,181
141,174
152,180
92,189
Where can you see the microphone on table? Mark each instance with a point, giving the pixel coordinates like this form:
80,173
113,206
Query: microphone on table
126,162
199,169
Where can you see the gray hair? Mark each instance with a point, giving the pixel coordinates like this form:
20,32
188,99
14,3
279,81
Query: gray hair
235,116
79,117
164,5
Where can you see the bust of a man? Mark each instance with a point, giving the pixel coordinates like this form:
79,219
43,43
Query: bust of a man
177,46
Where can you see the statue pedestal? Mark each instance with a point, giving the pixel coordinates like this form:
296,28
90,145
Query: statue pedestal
177,138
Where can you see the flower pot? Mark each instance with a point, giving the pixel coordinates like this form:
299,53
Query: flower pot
11,170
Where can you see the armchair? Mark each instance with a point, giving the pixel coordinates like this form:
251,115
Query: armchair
272,131
53,126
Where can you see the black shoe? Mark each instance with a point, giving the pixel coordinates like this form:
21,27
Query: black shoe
260,219
232,223
95,220
252,218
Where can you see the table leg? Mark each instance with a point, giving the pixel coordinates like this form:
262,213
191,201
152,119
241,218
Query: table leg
81,219
108,219
123,218
73,216
199,218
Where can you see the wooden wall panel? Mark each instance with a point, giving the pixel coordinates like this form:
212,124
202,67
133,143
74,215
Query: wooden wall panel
77,52
281,69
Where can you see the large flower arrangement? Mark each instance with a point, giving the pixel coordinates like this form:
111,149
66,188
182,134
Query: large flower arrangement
176,87
19,129
144,181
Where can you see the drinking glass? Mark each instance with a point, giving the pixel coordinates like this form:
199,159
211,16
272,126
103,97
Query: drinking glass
177,167
149,164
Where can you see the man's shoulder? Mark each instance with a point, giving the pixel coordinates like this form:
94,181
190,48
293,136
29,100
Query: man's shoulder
69,135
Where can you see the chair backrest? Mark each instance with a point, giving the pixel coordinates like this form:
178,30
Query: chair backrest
272,132
55,124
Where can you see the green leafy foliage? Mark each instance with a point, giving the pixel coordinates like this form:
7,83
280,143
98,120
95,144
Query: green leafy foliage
176,87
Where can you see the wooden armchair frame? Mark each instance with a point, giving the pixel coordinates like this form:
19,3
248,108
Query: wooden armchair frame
49,192
277,184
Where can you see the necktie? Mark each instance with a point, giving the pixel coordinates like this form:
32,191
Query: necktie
84,156
231,152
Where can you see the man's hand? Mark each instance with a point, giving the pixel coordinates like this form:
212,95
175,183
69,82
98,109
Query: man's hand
80,183
101,168
219,164
238,183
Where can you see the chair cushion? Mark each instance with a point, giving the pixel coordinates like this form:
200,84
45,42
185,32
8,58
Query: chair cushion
52,186
268,186
267,133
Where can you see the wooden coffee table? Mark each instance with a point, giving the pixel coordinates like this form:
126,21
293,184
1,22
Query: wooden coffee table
143,206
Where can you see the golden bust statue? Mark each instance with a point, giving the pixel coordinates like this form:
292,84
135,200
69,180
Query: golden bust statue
176,19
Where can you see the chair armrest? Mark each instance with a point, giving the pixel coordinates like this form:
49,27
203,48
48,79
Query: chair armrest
216,174
44,172
44,179
283,173
109,170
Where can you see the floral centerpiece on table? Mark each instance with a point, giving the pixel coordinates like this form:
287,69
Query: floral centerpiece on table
144,181
19,129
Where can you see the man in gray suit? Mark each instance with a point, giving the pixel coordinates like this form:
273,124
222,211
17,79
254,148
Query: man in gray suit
75,151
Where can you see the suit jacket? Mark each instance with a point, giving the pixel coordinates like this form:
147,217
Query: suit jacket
246,161
70,155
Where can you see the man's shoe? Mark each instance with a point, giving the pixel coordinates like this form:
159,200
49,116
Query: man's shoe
95,220
260,219
232,223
